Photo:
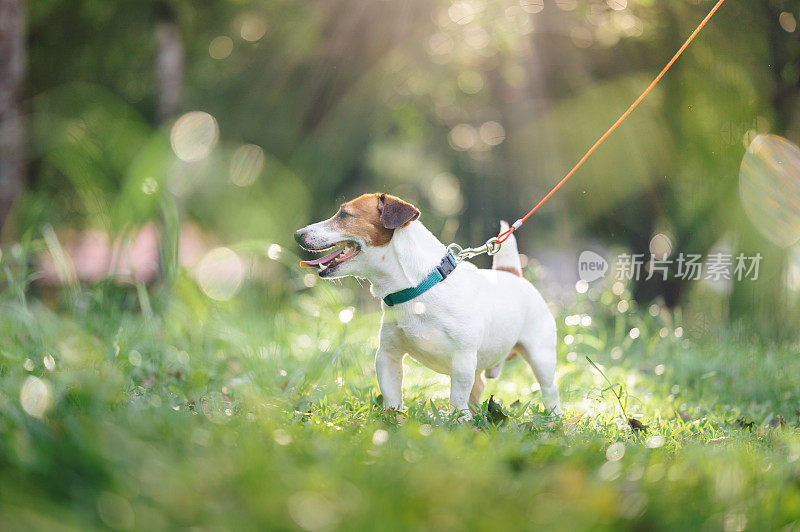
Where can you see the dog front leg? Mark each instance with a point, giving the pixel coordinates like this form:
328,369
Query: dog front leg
389,368
462,379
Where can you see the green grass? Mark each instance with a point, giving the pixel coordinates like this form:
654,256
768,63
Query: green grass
263,413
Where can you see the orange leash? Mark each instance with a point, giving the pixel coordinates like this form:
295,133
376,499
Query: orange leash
505,234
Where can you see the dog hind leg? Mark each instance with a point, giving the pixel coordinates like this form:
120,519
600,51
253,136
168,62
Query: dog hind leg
541,357
477,391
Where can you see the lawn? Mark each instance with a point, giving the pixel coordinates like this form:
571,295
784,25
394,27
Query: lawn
157,410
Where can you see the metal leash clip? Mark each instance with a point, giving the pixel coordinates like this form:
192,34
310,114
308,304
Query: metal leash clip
491,247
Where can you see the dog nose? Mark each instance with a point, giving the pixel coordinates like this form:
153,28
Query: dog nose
298,236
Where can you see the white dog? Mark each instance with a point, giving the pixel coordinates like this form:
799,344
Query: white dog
460,321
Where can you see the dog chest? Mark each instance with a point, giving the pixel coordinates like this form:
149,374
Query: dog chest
431,342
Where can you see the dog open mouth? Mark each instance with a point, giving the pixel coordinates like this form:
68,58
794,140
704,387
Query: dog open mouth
347,251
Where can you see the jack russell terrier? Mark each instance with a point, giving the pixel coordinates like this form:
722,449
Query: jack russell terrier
452,317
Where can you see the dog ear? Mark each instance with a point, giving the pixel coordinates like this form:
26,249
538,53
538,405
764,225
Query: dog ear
396,212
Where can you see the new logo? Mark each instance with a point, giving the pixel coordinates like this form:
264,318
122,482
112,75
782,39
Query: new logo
591,266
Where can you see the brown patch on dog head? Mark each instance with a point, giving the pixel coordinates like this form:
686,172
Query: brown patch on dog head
374,217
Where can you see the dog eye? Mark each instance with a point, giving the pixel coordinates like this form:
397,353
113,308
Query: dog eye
343,214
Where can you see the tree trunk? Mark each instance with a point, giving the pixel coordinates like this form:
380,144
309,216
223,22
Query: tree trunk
12,119
169,63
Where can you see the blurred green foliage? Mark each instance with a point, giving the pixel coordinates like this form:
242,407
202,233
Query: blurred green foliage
470,109
263,413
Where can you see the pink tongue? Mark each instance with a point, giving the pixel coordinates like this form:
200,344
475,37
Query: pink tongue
317,262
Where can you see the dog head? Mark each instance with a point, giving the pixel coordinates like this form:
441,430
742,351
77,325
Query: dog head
356,235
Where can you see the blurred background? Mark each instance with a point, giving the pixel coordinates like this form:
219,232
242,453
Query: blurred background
140,138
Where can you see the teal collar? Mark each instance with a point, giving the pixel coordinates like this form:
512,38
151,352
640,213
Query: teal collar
438,275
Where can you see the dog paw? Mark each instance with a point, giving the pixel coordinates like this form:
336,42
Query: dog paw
464,416
395,416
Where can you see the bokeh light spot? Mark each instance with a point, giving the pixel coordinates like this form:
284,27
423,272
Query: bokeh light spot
492,133
135,358
312,511
274,251
476,37
532,6
661,246
440,44
115,511
581,37
346,315
149,186
444,194
617,5
470,81
194,135
246,165
35,396
281,437
615,452
788,22
463,137
220,274
769,186
380,436
253,28
567,5
221,47
461,12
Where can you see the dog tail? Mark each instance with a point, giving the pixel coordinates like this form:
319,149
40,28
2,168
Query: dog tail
507,259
